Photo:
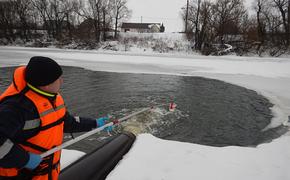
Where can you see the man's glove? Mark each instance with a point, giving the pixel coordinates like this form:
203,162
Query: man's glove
33,162
102,121
110,128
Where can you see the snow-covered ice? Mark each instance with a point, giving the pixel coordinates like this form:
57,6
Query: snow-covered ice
151,158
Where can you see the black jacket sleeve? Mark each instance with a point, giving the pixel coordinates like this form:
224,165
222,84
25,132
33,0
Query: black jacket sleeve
11,155
78,124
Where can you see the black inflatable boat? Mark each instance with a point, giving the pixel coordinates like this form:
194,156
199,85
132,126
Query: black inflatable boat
100,162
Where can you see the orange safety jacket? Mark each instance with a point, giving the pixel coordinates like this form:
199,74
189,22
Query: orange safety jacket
50,125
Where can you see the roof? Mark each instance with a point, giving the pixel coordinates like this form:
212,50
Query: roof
138,25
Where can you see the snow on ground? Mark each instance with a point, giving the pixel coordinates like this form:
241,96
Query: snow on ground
152,158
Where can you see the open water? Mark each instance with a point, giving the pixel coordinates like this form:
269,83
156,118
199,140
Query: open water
209,112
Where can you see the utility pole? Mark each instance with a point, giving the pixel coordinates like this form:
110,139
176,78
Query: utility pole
141,19
288,22
186,16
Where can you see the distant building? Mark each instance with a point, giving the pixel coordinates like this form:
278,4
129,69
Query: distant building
87,30
143,27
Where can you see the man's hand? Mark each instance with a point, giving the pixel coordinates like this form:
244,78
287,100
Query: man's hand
102,121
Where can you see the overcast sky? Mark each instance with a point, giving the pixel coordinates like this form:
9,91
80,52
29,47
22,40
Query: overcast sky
161,11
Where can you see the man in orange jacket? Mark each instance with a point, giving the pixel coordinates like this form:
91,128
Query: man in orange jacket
33,118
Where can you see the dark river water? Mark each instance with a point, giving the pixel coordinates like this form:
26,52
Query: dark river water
208,112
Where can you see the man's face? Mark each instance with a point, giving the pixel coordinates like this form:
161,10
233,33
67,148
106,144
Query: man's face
53,87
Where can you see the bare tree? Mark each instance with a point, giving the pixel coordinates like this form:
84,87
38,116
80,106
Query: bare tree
121,11
98,13
205,33
261,26
199,28
197,24
191,15
227,16
274,24
59,10
45,10
70,17
90,12
188,13
42,9
53,14
186,16
8,21
107,10
23,12
288,20
282,6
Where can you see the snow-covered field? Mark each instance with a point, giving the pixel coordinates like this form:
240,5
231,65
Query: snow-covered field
151,158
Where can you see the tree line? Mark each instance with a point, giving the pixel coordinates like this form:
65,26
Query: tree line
265,26
61,19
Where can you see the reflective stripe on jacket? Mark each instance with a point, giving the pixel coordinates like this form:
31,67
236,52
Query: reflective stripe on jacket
50,124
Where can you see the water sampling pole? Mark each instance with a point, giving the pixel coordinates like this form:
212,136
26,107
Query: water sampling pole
85,135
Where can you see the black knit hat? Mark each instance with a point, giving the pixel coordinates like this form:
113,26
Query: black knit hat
41,71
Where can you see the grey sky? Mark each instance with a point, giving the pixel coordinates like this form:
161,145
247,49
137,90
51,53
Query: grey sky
158,11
